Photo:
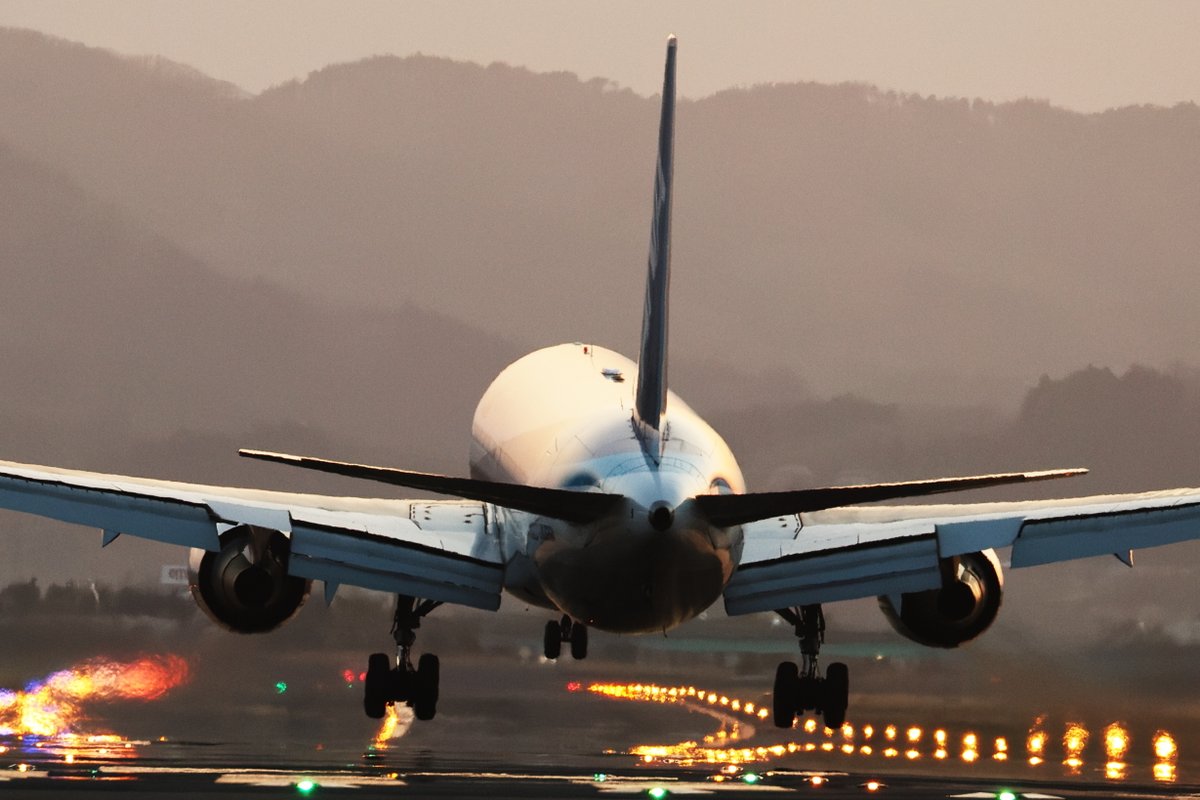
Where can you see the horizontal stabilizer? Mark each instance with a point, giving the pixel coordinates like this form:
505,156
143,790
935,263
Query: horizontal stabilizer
564,504
727,510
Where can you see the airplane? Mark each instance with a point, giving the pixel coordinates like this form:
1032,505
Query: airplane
599,495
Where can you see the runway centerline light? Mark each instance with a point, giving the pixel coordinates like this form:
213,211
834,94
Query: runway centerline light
1006,795
657,792
306,787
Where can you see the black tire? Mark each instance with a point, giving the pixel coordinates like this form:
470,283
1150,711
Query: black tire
552,641
425,688
375,689
579,641
808,695
837,694
783,696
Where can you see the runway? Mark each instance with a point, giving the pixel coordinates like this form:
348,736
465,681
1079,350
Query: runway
551,738
84,767
172,781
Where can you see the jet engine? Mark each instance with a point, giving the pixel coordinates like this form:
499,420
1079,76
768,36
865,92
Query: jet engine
963,607
245,587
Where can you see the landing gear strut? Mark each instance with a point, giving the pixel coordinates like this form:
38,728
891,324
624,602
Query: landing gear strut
800,689
565,630
414,686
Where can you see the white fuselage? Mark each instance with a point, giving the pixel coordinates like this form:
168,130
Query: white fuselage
563,417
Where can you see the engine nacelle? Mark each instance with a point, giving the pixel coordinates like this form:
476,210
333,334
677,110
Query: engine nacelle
244,586
962,608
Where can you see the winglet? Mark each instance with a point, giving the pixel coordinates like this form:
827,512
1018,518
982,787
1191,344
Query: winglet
652,361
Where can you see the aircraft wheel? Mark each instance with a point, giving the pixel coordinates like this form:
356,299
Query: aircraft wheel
579,641
808,694
375,690
552,641
837,694
425,686
783,697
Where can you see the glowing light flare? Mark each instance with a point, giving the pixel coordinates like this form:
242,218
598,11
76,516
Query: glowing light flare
1000,749
1164,772
1075,739
970,748
1035,743
889,733
53,706
1166,751
1116,742
1164,746
913,734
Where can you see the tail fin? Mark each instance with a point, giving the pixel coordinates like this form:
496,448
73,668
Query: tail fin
652,361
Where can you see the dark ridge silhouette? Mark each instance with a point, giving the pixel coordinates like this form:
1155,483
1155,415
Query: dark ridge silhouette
891,245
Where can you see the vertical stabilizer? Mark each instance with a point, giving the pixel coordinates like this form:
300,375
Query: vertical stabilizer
652,361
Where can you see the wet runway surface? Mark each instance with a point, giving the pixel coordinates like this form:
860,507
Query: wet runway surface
594,739
178,781
100,766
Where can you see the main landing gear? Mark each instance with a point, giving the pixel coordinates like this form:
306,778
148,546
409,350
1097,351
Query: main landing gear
565,630
800,689
417,687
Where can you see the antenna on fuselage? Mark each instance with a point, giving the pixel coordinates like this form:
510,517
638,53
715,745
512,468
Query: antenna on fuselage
652,361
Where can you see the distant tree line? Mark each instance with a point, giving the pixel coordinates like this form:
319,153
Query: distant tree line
28,597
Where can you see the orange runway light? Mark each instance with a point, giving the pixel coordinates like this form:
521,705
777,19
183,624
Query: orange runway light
1075,739
1166,751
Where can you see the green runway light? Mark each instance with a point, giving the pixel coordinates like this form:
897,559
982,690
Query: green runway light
306,787
1006,795
751,777
657,792
280,687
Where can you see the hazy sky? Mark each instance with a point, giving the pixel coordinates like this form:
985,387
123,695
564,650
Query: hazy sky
1087,55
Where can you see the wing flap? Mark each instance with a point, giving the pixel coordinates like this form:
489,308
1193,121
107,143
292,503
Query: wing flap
440,550
906,565
849,553
110,508
413,563
831,563
1045,541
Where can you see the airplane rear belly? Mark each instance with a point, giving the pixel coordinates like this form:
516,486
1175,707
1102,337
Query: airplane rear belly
626,583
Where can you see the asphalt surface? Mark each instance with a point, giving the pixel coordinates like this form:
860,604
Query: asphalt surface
143,769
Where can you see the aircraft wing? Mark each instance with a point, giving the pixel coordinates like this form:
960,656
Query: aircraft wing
846,553
439,550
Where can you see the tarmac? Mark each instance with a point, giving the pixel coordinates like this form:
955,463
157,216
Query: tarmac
46,768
